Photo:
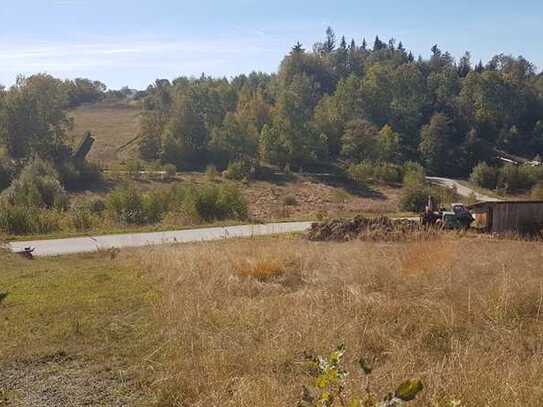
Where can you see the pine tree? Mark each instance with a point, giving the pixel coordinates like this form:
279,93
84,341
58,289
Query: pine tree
298,48
378,44
364,44
464,65
330,44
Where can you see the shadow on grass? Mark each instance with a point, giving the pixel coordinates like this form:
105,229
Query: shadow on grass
341,181
3,296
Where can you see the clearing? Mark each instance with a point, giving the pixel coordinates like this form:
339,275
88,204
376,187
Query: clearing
113,124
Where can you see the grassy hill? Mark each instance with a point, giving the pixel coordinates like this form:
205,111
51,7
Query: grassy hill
113,124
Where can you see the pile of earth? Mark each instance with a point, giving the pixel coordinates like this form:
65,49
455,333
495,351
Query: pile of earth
380,228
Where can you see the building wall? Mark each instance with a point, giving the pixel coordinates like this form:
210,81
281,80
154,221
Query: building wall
515,217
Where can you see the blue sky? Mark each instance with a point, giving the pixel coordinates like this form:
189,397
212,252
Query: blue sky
133,42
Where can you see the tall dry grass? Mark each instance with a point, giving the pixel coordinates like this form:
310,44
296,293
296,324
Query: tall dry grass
236,317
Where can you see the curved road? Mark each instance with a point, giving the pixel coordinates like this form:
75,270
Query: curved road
461,189
95,243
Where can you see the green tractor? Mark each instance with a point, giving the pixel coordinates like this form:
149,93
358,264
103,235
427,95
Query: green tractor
457,218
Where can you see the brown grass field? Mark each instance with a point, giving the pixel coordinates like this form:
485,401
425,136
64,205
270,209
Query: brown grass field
112,125
227,323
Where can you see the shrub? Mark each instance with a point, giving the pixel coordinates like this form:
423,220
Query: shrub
414,174
171,171
484,176
211,172
232,203
95,206
238,170
79,175
154,206
126,205
514,178
290,200
389,173
37,186
220,203
83,219
133,167
414,198
24,220
361,173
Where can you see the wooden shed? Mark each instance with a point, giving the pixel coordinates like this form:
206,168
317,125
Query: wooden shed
508,216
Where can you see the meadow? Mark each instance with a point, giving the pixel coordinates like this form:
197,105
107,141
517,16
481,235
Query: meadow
228,323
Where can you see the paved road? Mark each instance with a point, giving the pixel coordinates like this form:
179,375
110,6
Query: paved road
461,189
95,243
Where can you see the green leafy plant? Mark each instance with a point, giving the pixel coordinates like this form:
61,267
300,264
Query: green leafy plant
330,387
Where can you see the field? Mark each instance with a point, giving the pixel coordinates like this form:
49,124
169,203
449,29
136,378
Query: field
227,323
113,125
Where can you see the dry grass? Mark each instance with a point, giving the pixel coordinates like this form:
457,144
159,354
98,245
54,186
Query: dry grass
113,125
464,315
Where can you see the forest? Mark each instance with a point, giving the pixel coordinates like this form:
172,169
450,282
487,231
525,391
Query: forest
339,102
343,102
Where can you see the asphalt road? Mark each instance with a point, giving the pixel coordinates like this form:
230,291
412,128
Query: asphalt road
461,189
95,243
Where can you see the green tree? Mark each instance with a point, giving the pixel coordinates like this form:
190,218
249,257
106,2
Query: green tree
435,143
389,145
33,120
360,141
186,140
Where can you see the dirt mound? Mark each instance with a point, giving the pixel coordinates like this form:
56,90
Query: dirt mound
381,228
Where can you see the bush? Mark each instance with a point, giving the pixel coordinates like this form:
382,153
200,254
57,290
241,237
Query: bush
79,175
514,178
171,171
37,186
290,200
133,167
82,219
220,203
484,176
413,174
414,198
238,170
211,172
389,173
361,173
95,206
126,206
24,220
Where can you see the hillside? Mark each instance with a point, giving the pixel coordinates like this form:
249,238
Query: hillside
113,124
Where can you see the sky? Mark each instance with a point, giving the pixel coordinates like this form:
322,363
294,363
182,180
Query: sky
133,42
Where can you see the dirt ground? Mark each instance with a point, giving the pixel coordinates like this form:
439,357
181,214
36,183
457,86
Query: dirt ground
68,380
308,197
300,197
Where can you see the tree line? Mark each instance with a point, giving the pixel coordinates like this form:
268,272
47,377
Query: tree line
349,103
